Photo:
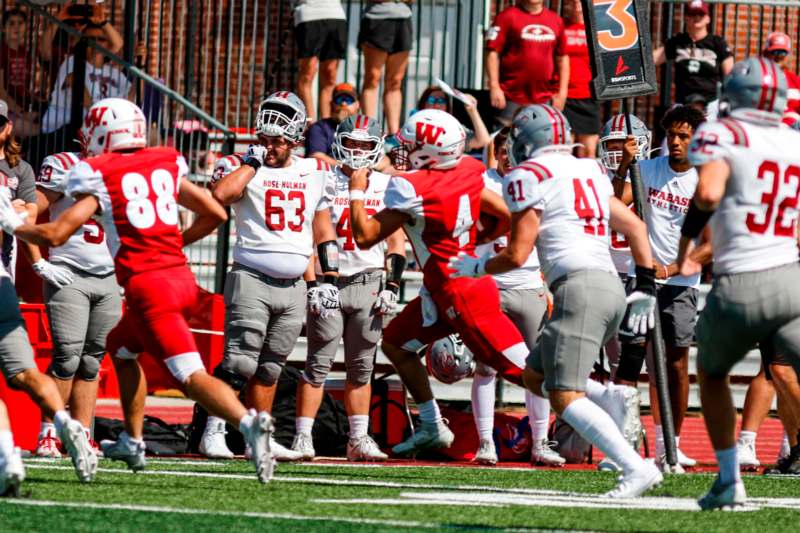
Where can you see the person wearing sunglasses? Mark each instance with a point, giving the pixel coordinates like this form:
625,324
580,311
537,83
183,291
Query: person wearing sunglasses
435,98
777,47
701,59
319,140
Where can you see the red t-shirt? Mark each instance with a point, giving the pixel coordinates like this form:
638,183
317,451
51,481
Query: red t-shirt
792,113
17,73
580,69
138,195
527,45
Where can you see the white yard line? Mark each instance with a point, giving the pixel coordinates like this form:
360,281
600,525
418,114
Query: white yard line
182,462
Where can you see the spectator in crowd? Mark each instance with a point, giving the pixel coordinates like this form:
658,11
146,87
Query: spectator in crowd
320,31
385,38
434,98
17,74
777,47
701,59
319,139
102,80
17,177
582,112
525,51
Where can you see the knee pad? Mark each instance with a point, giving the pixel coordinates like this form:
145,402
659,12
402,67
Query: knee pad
269,372
235,381
317,368
313,378
64,368
89,367
359,371
239,365
631,360
184,365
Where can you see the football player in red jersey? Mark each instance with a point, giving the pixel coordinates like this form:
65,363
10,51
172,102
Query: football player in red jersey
136,191
437,203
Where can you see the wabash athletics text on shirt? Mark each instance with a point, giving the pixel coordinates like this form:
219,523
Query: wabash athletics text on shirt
138,195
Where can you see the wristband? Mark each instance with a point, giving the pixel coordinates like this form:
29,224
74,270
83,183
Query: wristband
252,162
356,195
328,254
646,280
392,287
310,284
696,219
330,279
395,265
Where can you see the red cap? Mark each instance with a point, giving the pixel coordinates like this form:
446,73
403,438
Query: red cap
345,88
778,41
697,6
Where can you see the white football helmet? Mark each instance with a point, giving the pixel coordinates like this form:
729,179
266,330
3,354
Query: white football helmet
282,114
448,360
358,128
430,138
615,129
111,125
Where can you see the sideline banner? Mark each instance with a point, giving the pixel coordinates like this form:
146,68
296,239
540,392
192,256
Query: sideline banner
620,47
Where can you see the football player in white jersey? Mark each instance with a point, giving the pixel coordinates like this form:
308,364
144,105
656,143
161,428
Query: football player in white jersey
281,208
82,300
524,300
358,145
565,205
669,182
749,180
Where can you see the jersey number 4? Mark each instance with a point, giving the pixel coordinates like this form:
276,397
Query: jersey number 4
780,226
345,231
585,210
275,216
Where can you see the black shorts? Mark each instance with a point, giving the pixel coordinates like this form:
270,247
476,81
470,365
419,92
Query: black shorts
771,357
583,116
325,39
390,35
678,312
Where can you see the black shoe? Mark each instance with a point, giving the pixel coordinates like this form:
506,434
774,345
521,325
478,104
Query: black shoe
789,465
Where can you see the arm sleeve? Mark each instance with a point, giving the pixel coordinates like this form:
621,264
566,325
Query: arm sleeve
496,35
27,183
714,140
401,196
522,189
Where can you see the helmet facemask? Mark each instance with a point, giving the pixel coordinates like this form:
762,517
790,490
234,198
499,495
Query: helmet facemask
356,158
280,120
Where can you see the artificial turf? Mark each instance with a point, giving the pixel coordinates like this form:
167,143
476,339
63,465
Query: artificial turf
289,503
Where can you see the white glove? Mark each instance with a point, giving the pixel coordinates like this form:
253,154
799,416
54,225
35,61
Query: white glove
313,301
10,220
469,266
386,304
328,299
257,152
55,275
641,312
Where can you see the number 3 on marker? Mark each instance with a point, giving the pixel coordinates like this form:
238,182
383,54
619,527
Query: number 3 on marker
619,11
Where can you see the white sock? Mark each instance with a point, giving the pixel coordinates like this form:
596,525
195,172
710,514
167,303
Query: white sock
47,428
358,425
429,412
245,423
596,392
483,404
596,426
728,465
6,443
538,415
660,449
215,421
677,442
60,420
304,424
747,436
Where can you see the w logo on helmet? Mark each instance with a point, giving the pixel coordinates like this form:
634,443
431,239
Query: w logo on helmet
428,133
94,117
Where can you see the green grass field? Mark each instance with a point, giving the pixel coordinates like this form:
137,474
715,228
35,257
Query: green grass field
177,495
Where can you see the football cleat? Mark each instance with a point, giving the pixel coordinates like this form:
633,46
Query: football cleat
685,460
126,450
789,465
664,466
258,438
73,437
746,454
543,454
364,448
486,454
304,445
636,483
48,445
622,403
721,496
607,465
783,451
212,443
12,474
427,436
284,454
